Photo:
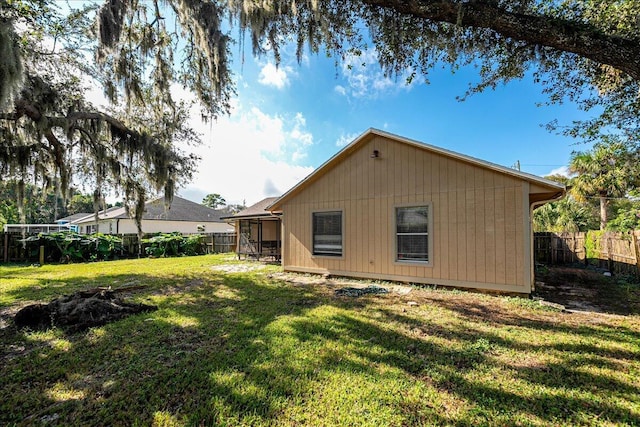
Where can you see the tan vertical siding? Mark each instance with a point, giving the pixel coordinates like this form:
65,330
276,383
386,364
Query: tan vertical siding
511,206
480,233
500,236
461,233
470,209
436,256
477,218
490,235
452,239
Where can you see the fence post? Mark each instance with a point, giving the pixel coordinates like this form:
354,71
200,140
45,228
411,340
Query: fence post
41,257
6,247
634,242
609,253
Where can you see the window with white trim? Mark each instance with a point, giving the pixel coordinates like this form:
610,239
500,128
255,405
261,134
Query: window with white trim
412,233
327,233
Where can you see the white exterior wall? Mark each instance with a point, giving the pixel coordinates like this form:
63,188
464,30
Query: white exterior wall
128,226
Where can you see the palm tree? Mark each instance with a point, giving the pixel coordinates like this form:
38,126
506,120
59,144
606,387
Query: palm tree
608,171
564,215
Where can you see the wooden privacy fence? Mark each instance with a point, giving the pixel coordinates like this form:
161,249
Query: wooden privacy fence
559,248
215,242
617,252
220,242
11,249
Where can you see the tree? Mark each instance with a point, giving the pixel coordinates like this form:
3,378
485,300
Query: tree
608,171
576,46
8,213
233,208
40,206
567,214
214,201
625,215
80,203
564,215
581,50
50,133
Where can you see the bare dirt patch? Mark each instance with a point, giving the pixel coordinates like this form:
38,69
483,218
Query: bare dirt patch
568,290
237,268
336,283
583,289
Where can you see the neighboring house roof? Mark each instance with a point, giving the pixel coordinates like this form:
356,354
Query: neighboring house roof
74,217
371,133
257,210
103,214
179,210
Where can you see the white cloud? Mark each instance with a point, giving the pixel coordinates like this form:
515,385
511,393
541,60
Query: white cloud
346,139
563,170
246,156
341,90
278,77
366,79
250,155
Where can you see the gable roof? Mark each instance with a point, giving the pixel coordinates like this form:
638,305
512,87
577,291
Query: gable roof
372,132
179,210
74,217
102,214
254,211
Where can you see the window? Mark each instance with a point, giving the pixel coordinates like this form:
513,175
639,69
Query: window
327,233
412,234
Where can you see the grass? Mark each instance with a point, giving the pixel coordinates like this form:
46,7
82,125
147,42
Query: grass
248,348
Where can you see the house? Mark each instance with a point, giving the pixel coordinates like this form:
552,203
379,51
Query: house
387,207
70,220
182,215
258,230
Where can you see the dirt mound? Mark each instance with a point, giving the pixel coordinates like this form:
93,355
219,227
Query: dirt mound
79,311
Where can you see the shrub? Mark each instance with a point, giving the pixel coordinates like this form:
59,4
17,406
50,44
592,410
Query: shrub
69,246
173,244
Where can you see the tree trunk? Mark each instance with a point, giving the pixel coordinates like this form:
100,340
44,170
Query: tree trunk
604,203
565,35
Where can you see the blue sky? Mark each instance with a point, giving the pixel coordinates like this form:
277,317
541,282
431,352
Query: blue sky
288,121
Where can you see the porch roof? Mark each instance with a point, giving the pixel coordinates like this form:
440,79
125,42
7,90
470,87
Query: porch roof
256,211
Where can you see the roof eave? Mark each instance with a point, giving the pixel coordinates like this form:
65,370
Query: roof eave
276,205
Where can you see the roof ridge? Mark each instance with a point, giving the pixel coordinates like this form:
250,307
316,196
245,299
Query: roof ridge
419,144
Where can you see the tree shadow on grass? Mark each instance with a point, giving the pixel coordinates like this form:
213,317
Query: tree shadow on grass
160,361
240,349
486,311
579,387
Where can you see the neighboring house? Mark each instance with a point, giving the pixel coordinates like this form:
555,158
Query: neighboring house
70,220
183,216
258,230
386,207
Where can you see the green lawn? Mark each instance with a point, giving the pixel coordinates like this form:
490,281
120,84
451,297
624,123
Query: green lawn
245,348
